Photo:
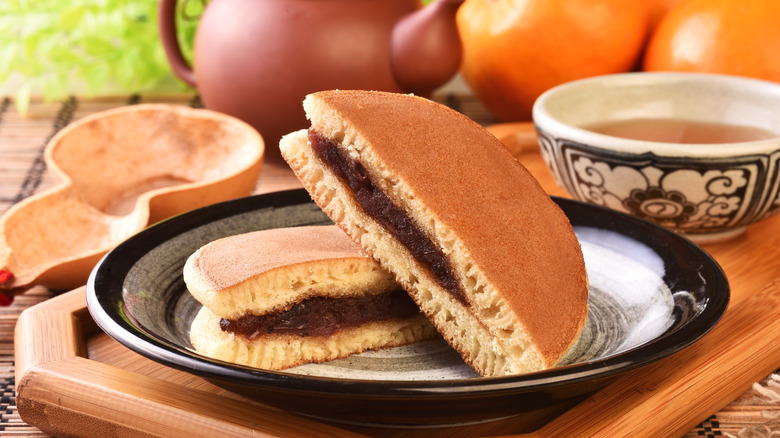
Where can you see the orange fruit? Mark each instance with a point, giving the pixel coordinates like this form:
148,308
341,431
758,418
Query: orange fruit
514,50
658,9
718,36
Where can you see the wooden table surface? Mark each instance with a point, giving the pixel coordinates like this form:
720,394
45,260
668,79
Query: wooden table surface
756,413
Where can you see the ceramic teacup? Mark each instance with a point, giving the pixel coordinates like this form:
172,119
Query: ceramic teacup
709,189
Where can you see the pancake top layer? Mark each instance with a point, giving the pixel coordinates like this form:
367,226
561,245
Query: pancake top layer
474,187
235,259
269,270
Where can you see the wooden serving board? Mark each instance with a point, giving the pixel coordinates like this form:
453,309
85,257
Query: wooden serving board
74,380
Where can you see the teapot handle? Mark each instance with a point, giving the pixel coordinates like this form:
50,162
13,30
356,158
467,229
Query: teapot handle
167,25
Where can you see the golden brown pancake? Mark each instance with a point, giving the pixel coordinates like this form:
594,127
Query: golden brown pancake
279,298
464,227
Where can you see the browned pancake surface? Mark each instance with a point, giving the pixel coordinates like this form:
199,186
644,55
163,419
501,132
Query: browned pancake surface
512,229
233,260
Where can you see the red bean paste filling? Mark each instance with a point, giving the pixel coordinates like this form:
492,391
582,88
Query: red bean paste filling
321,316
379,206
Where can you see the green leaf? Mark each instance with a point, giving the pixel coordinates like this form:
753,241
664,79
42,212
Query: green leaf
22,99
7,54
97,47
38,22
96,77
70,18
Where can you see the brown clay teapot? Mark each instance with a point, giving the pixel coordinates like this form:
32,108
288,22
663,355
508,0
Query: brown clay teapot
257,59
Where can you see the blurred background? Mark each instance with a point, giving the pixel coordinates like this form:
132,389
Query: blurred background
52,49
67,52
512,49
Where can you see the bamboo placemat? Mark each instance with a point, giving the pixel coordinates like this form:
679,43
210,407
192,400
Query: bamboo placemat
756,413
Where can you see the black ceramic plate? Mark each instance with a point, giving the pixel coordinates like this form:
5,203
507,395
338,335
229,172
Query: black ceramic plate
652,294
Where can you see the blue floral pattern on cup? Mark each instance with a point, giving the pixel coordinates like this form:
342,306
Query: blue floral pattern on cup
692,196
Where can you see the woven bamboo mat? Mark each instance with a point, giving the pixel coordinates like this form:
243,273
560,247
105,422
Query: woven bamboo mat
23,172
